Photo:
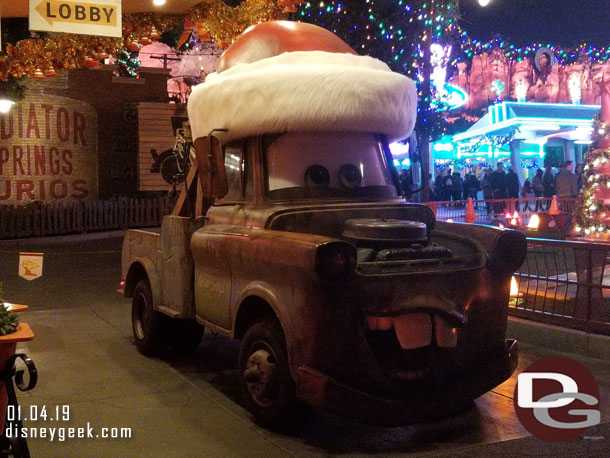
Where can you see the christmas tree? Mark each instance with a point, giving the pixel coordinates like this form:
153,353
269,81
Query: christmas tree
401,33
414,37
592,214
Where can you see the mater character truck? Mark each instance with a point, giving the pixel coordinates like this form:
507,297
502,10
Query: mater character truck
290,235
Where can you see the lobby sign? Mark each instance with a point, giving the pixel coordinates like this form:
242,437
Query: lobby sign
96,17
48,151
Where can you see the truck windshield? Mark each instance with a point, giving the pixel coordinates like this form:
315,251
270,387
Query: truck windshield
327,165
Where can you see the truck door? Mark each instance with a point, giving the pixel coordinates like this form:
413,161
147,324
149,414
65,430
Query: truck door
213,259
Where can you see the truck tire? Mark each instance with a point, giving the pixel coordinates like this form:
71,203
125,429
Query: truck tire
186,335
268,389
150,327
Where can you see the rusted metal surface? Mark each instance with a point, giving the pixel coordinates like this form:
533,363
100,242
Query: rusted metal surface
406,322
565,283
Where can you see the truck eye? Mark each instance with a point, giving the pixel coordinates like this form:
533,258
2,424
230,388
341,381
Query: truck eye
317,175
350,176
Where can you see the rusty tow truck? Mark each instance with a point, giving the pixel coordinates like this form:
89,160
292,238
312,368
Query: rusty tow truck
293,238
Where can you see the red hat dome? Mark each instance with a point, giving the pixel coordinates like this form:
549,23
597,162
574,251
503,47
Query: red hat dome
270,39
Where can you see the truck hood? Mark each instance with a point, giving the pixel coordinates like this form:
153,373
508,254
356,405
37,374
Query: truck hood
329,220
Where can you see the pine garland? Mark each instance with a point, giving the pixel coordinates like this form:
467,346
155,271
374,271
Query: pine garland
8,320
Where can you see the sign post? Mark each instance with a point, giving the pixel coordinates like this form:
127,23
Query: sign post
88,17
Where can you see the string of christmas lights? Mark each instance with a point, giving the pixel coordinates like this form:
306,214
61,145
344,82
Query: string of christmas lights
592,214
127,64
495,141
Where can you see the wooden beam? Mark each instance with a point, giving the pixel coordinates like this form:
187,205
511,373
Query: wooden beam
185,189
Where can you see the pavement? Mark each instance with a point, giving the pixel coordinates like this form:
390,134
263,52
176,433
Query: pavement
189,405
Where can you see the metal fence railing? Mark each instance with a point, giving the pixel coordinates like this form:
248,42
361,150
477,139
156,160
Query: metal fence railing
565,283
487,211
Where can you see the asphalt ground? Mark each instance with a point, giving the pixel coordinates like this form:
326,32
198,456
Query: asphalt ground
190,406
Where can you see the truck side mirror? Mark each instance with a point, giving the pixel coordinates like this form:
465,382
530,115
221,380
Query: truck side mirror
211,167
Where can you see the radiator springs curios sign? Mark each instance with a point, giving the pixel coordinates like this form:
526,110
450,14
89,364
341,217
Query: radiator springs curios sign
48,151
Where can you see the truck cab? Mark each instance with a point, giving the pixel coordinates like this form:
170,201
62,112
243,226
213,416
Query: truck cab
297,242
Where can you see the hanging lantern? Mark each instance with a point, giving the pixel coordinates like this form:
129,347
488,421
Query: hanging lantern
203,34
145,41
154,34
50,72
38,73
133,46
91,63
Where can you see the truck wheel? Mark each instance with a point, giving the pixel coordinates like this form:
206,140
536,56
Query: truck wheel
264,376
187,335
149,326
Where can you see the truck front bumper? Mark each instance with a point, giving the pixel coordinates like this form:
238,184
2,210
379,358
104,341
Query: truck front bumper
326,393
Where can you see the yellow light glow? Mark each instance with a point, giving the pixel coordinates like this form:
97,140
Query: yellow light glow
158,2
534,222
6,105
514,288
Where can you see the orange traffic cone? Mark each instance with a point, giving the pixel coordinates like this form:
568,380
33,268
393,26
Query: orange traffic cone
470,216
554,210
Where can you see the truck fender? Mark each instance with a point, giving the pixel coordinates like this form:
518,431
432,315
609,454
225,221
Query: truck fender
263,292
134,274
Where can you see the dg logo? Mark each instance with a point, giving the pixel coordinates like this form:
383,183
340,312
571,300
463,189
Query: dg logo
557,399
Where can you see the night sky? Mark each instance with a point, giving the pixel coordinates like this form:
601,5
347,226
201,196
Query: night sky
566,23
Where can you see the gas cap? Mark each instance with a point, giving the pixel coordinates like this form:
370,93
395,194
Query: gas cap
369,231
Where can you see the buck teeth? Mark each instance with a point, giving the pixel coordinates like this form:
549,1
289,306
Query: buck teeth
414,330
446,336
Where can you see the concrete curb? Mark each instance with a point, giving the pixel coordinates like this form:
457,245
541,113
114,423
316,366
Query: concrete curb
558,338
62,239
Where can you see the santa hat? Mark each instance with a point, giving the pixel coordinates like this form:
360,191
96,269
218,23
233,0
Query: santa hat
286,76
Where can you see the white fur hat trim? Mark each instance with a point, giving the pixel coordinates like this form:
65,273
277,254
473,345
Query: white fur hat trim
305,91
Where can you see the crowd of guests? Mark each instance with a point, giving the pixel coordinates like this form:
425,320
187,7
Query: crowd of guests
497,184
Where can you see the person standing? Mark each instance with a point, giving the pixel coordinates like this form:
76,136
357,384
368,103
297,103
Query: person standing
537,183
471,187
499,187
456,189
447,186
512,184
567,185
537,187
566,182
438,185
486,187
527,192
548,182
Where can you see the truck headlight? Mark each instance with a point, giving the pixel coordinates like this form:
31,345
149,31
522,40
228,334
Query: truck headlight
335,260
510,249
